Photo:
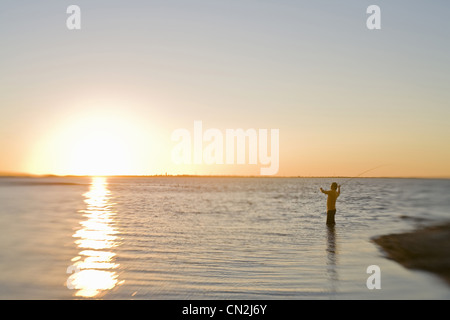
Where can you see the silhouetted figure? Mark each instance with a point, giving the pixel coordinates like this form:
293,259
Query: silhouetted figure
333,194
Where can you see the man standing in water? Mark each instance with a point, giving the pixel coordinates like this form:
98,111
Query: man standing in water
333,194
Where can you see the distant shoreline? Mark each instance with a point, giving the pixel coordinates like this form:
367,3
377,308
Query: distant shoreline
26,175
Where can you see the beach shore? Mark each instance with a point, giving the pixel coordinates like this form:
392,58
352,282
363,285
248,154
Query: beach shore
425,249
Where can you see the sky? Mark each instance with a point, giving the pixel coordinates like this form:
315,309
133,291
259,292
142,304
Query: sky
105,99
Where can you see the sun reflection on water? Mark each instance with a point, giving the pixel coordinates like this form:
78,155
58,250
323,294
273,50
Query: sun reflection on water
93,269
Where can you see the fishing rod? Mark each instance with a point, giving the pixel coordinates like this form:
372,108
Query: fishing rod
361,174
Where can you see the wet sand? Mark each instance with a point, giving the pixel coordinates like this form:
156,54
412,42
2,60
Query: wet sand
425,249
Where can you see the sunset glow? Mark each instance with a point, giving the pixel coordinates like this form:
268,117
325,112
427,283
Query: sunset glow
102,96
93,144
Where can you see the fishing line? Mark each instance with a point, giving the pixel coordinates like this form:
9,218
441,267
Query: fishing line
361,174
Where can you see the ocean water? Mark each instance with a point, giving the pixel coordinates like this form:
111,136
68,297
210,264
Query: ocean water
210,238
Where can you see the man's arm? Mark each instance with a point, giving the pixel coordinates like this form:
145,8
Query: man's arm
324,191
339,190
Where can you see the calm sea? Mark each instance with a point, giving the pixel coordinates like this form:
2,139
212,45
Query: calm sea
210,238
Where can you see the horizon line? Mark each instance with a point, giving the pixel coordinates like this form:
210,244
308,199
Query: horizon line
49,175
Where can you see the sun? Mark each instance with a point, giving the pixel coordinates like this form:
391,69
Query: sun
96,144
102,148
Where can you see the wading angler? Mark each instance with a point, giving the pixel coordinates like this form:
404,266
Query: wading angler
214,147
